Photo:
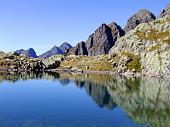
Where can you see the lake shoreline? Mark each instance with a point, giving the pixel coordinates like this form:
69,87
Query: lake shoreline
59,70
126,74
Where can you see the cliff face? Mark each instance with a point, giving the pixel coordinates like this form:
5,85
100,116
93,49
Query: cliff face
103,39
100,42
145,49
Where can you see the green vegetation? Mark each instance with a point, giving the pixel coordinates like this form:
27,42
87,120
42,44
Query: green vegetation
92,63
133,62
153,35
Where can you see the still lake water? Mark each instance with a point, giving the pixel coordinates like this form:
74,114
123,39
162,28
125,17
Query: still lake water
83,100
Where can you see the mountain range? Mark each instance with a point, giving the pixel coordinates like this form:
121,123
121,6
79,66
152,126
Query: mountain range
103,39
142,47
53,51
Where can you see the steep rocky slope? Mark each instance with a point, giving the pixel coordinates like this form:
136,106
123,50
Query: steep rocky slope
79,49
145,49
100,42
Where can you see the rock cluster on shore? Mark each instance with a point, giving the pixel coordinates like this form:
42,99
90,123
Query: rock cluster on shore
14,62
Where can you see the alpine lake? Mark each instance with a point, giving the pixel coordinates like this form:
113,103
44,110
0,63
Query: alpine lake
83,100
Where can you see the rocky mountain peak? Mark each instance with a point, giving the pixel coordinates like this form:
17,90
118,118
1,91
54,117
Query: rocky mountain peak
53,51
54,47
142,16
29,53
99,42
65,46
145,49
103,39
116,29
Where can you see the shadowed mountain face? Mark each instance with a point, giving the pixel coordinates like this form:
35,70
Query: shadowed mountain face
100,42
145,100
29,53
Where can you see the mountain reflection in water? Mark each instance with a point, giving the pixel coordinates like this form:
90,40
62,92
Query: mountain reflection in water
146,100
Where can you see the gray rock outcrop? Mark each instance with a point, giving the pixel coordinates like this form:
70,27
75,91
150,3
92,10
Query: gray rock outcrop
145,49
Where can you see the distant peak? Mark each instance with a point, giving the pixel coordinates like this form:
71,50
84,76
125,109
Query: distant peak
31,49
54,47
30,52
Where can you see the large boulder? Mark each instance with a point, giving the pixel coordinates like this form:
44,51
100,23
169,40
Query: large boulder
52,62
142,16
165,11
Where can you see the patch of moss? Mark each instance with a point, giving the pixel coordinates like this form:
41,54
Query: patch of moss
93,63
133,62
154,35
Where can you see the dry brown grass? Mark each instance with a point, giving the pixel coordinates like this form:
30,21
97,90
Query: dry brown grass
96,63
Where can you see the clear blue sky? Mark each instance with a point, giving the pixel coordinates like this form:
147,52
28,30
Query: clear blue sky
43,23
